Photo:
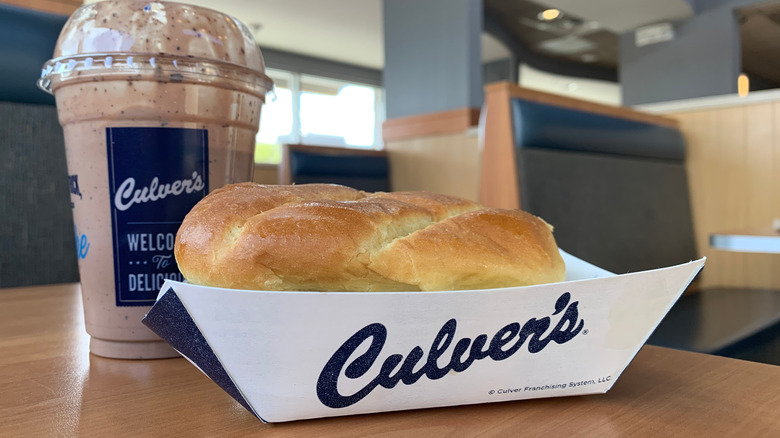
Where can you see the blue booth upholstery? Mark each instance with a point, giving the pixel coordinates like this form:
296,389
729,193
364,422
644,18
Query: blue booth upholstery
360,169
27,40
616,191
37,226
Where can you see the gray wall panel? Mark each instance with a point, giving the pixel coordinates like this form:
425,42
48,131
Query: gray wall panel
702,60
432,56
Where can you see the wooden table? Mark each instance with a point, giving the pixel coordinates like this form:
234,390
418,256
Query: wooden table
761,240
51,386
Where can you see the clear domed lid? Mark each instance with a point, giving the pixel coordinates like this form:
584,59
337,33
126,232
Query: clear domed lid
171,40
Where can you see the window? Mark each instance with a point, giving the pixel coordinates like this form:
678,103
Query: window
318,111
276,120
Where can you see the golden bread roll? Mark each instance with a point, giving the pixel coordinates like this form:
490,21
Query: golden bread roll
322,237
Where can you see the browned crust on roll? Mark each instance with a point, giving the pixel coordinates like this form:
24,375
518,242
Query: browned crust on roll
322,237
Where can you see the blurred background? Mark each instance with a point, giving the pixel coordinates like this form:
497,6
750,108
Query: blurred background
335,62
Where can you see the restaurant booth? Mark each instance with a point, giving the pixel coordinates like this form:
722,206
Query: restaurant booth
614,183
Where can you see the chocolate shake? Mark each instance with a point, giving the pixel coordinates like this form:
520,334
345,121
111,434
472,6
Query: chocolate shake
160,104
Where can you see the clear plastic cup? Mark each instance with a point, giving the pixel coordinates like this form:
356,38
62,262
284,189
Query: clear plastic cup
160,104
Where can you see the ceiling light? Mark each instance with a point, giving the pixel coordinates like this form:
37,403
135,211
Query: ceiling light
589,57
549,14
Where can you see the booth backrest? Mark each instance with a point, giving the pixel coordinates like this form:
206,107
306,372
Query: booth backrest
551,127
615,190
611,181
27,40
361,169
36,234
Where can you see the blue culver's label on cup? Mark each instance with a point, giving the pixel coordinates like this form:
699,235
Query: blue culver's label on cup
156,175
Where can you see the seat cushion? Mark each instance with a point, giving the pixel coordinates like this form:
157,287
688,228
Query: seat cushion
624,214
35,212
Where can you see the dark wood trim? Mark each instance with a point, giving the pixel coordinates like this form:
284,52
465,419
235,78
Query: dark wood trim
445,122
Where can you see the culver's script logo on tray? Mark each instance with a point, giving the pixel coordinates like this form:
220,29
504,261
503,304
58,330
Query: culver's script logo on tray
462,353
156,175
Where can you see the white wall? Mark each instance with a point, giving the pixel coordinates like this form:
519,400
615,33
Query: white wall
586,89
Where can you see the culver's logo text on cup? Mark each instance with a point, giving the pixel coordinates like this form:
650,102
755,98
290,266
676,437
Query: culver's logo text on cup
461,354
156,175
127,194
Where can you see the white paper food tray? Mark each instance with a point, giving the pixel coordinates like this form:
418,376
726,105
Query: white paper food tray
294,355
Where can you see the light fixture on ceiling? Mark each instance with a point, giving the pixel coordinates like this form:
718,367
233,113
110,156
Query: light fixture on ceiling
567,45
653,34
590,26
549,15
589,57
